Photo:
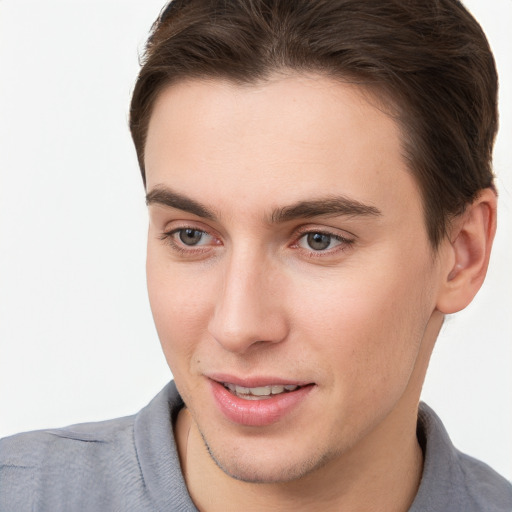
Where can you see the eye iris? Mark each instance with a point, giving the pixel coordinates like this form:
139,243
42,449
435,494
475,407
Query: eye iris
318,241
190,236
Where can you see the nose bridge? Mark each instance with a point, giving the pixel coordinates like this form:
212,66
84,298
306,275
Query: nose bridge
247,310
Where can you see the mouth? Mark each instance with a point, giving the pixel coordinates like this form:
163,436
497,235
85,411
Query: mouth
258,402
259,392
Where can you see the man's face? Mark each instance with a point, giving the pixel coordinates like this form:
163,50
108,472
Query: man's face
287,247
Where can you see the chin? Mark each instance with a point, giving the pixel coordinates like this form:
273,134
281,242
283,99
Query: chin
271,469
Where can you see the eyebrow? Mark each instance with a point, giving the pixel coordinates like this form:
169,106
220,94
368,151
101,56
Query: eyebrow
329,206
167,197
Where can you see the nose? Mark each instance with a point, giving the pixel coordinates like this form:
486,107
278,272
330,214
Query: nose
249,310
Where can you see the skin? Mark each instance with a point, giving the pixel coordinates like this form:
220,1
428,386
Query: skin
357,319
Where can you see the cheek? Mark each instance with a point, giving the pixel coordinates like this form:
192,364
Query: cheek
179,303
366,326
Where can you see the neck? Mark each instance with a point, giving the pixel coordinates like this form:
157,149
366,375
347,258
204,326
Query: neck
375,476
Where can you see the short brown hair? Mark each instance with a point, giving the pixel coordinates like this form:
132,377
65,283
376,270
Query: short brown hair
430,58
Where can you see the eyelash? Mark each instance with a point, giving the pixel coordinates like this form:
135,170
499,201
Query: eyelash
344,243
168,237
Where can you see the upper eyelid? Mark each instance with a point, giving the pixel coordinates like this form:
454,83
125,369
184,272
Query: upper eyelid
172,232
298,233
181,228
339,238
339,233
187,224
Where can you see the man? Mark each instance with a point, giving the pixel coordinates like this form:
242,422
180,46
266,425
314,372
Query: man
320,195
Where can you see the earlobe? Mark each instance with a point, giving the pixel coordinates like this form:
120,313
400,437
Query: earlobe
468,251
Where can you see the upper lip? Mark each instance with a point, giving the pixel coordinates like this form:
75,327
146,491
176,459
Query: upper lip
255,381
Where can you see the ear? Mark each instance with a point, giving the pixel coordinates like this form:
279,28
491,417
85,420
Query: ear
466,253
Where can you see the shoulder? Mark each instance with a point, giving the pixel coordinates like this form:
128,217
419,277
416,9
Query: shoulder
43,447
64,464
128,464
485,487
452,480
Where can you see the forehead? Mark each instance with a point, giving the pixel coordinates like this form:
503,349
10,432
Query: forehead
278,142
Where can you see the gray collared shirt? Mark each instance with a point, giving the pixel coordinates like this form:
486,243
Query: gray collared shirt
131,464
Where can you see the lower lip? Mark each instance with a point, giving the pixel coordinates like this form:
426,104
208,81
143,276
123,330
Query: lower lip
257,413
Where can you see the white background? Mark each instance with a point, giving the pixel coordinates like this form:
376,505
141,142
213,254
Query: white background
77,342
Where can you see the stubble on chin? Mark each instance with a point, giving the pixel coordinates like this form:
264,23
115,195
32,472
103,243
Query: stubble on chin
276,472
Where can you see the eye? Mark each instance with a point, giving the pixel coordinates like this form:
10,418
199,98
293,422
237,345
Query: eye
318,241
191,237
183,238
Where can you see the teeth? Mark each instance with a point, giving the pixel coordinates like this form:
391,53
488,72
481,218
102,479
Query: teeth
260,392
263,391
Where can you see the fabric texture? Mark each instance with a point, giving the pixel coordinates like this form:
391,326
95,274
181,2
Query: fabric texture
131,464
